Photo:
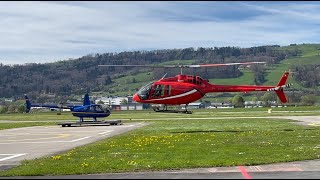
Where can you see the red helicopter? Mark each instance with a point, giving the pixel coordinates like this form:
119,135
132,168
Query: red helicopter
184,89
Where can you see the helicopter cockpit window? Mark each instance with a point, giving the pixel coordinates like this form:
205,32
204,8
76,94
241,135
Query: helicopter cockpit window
144,92
92,108
98,109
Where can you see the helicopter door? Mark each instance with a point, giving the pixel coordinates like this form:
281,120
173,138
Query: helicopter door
168,90
158,91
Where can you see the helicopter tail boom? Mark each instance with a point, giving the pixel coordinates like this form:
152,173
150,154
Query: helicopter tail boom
279,88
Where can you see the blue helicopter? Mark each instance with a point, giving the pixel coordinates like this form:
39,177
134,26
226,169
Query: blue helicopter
86,110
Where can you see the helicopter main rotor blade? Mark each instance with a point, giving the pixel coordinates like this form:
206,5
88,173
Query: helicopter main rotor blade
226,64
138,65
185,66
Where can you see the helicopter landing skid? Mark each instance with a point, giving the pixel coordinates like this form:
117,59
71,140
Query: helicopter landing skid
104,122
173,111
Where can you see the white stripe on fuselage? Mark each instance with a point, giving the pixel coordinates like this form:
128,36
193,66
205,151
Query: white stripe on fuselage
177,96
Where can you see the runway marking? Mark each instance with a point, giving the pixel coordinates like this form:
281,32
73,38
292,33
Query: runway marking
80,139
212,170
75,140
105,132
256,168
244,172
59,136
10,157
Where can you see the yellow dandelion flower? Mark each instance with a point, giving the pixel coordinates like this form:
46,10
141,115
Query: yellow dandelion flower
84,164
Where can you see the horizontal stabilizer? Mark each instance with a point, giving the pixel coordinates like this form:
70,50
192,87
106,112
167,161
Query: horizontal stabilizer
279,87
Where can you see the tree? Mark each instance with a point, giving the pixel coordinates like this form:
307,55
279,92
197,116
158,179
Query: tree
21,108
100,102
3,109
12,108
254,100
124,102
108,80
308,99
267,97
238,101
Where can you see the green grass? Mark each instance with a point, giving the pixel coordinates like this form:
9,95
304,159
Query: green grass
245,79
309,55
306,49
184,144
140,77
150,114
175,62
275,72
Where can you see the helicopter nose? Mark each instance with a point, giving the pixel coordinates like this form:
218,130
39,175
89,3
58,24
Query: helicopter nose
136,98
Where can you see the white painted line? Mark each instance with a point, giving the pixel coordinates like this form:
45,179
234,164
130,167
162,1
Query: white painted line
10,157
256,168
81,139
105,132
75,140
212,170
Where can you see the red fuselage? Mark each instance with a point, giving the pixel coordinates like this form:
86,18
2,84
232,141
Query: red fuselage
184,89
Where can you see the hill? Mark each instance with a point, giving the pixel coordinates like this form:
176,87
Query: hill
75,77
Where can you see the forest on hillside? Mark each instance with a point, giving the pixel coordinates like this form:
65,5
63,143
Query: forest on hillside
83,74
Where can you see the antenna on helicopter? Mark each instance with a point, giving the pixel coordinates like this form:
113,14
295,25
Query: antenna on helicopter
164,76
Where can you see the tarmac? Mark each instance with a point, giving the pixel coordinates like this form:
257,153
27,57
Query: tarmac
37,141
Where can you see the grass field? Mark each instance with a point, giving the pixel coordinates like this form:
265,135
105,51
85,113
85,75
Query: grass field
175,141
150,114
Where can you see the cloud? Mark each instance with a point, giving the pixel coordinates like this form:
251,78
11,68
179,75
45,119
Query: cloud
50,31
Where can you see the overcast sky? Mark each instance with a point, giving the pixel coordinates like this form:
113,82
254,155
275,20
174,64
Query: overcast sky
40,32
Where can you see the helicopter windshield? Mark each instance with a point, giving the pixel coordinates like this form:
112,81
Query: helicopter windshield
144,92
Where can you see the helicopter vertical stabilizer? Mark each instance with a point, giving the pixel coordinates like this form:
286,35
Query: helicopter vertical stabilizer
280,86
86,100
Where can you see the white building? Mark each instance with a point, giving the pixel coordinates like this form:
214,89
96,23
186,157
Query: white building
132,106
111,100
